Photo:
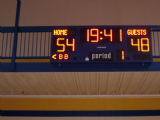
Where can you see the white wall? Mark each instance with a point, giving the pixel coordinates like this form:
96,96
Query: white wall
7,12
82,12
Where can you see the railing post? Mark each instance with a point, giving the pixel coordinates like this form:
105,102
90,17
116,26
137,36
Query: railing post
15,36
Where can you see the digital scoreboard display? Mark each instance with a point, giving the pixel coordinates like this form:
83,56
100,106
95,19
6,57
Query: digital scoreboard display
101,44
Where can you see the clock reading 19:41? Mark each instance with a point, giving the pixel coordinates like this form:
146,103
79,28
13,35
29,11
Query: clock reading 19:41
101,35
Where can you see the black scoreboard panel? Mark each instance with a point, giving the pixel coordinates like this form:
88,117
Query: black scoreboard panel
105,44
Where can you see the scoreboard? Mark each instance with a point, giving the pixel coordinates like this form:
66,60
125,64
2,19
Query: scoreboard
101,44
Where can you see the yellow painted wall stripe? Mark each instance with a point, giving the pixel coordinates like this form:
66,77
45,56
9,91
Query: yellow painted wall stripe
81,104
6,60
156,59
25,60
43,60
31,60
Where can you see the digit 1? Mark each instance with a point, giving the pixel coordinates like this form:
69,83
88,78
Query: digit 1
120,33
133,44
87,35
142,45
96,35
122,54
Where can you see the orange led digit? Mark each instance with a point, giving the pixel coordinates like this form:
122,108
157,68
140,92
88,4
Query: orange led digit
122,55
96,35
120,35
87,35
134,44
66,56
144,44
110,35
58,39
60,56
73,44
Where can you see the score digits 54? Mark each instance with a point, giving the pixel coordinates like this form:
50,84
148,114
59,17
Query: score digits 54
64,45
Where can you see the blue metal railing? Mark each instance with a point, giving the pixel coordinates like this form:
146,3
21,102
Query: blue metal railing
156,43
7,44
33,44
36,43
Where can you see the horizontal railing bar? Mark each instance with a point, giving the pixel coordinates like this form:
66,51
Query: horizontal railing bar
7,29
6,58
35,29
50,28
155,56
155,29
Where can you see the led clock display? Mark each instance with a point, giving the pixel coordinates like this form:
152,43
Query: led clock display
101,44
105,35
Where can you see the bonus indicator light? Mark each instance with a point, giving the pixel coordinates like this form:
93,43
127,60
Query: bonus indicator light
60,56
54,56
